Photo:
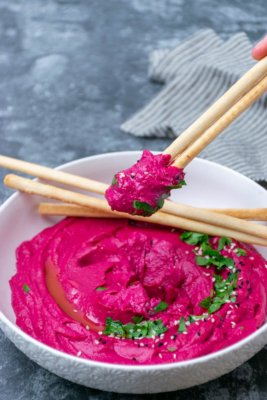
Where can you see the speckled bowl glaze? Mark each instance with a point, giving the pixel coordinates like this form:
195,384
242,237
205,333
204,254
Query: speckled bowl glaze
209,185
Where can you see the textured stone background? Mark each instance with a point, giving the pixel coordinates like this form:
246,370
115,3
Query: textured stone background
70,72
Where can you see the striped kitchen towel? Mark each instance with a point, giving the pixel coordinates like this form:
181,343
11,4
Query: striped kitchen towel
196,73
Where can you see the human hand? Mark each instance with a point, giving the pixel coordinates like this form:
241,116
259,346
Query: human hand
260,50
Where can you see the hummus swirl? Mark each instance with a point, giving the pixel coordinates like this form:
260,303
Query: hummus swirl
142,188
82,283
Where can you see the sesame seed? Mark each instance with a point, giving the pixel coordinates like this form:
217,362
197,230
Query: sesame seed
185,333
100,333
212,320
96,341
87,327
251,258
162,336
228,312
174,356
79,353
233,324
160,355
187,252
75,310
141,344
187,323
213,279
165,343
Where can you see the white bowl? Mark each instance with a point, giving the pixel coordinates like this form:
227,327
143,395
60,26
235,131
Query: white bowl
209,185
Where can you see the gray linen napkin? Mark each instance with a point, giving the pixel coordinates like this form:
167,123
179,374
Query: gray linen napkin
196,73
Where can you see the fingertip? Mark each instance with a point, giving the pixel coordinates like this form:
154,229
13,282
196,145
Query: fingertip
260,50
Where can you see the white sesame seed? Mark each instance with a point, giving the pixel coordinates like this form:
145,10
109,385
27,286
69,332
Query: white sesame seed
100,333
185,333
186,252
187,323
162,336
165,343
176,322
213,279
174,356
160,355
228,312
212,320
87,327
75,310
251,258
233,324
96,341
79,353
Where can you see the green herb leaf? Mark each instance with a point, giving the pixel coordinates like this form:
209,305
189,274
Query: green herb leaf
161,306
114,181
182,326
193,238
178,186
137,319
215,306
101,288
240,252
224,241
206,303
26,288
140,330
145,207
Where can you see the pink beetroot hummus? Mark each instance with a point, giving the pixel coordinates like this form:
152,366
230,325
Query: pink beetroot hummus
142,188
123,292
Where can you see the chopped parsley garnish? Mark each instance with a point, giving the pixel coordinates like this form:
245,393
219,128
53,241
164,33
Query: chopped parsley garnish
26,288
240,252
194,318
101,288
210,256
137,319
224,289
194,238
145,207
182,326
178,186
114,181
144,329
161,306
223,293
223,241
